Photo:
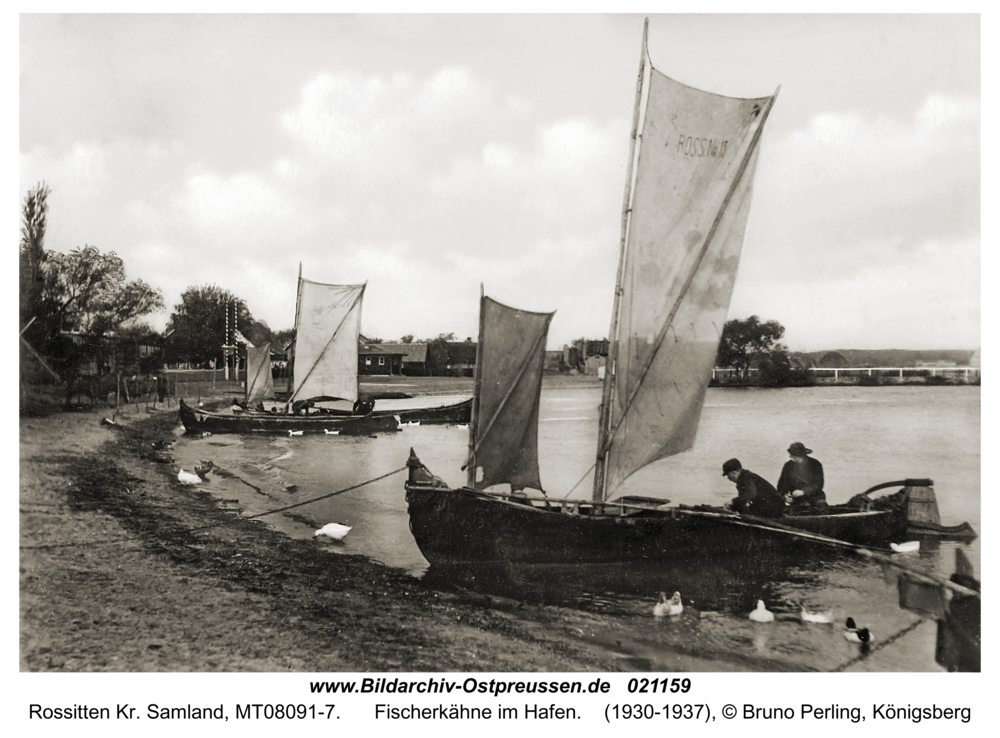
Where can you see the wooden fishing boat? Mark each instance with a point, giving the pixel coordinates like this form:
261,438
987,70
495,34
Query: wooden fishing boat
687,197
197,420
324,368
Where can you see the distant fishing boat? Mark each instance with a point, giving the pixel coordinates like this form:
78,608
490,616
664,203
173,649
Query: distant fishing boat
687,196
324,369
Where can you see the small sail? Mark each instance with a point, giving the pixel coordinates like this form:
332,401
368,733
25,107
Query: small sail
508,386
260,385
327,325
689,206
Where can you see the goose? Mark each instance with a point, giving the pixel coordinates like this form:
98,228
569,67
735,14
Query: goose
904,547
855,634
761,614
673,606
814,616
187,477
331,433
294,433
333,531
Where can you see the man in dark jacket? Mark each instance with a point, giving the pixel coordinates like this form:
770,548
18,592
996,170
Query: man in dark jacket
756,495
801,480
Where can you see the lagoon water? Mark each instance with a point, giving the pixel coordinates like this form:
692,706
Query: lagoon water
863,435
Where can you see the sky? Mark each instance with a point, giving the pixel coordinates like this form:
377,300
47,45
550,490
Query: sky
429,154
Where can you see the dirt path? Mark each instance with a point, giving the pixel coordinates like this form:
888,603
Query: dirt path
122,568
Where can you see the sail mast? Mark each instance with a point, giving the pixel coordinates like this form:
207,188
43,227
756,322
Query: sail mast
295,330
600,480
478,378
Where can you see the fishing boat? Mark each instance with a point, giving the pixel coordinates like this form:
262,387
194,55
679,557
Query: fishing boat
687,196
324,374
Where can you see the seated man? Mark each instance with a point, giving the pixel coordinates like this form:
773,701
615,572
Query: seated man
801,480
756,495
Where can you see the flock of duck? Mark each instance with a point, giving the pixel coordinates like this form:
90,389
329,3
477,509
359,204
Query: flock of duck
674,606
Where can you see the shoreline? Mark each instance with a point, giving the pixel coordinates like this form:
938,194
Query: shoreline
124,569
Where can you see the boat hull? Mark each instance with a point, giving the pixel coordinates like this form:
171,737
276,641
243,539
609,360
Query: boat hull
463,527
201,421
459,412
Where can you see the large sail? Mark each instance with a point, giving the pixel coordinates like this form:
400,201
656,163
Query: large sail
327,325
260,385
508,386
689,204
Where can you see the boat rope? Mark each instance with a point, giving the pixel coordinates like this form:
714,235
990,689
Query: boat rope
866,652
322,497
585,475
120,539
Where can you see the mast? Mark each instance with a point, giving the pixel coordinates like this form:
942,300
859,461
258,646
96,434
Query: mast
600,480
477,378
295,328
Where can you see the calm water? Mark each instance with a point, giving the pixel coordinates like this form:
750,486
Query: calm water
863,436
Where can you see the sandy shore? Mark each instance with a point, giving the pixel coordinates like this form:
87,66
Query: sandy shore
122,568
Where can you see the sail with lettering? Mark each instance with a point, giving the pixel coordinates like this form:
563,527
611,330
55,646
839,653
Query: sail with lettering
683,235
503,439
260,384
327,326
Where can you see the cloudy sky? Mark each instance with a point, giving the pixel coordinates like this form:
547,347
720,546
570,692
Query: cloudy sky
429,154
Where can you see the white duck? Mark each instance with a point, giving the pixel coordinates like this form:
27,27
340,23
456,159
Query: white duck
816,616
187,477
294,433
761,614
333,531
331,433
904,547
665,607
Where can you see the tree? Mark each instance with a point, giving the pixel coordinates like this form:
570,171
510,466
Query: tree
198,324
408,338
31,253
85,291
745,341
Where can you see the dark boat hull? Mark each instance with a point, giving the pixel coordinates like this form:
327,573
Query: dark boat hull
255,422
459,412
461,527
201,421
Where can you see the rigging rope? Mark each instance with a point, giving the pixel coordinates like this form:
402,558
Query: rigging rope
216,525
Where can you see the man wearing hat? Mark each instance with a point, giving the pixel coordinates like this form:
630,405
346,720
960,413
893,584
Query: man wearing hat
756,495
801,480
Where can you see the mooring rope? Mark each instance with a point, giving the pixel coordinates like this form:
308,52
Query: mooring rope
199,529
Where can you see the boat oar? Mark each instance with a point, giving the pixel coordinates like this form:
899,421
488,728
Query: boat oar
752,521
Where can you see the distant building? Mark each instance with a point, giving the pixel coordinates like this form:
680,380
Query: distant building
414,357
377,359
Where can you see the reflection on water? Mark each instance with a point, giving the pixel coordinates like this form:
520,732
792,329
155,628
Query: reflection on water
863,436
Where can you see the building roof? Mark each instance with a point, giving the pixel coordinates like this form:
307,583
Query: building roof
381,349
411,352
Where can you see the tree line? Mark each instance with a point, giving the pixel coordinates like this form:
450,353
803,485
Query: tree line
79,308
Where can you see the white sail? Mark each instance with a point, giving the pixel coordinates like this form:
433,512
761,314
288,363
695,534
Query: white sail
260,385
327,325
689,204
